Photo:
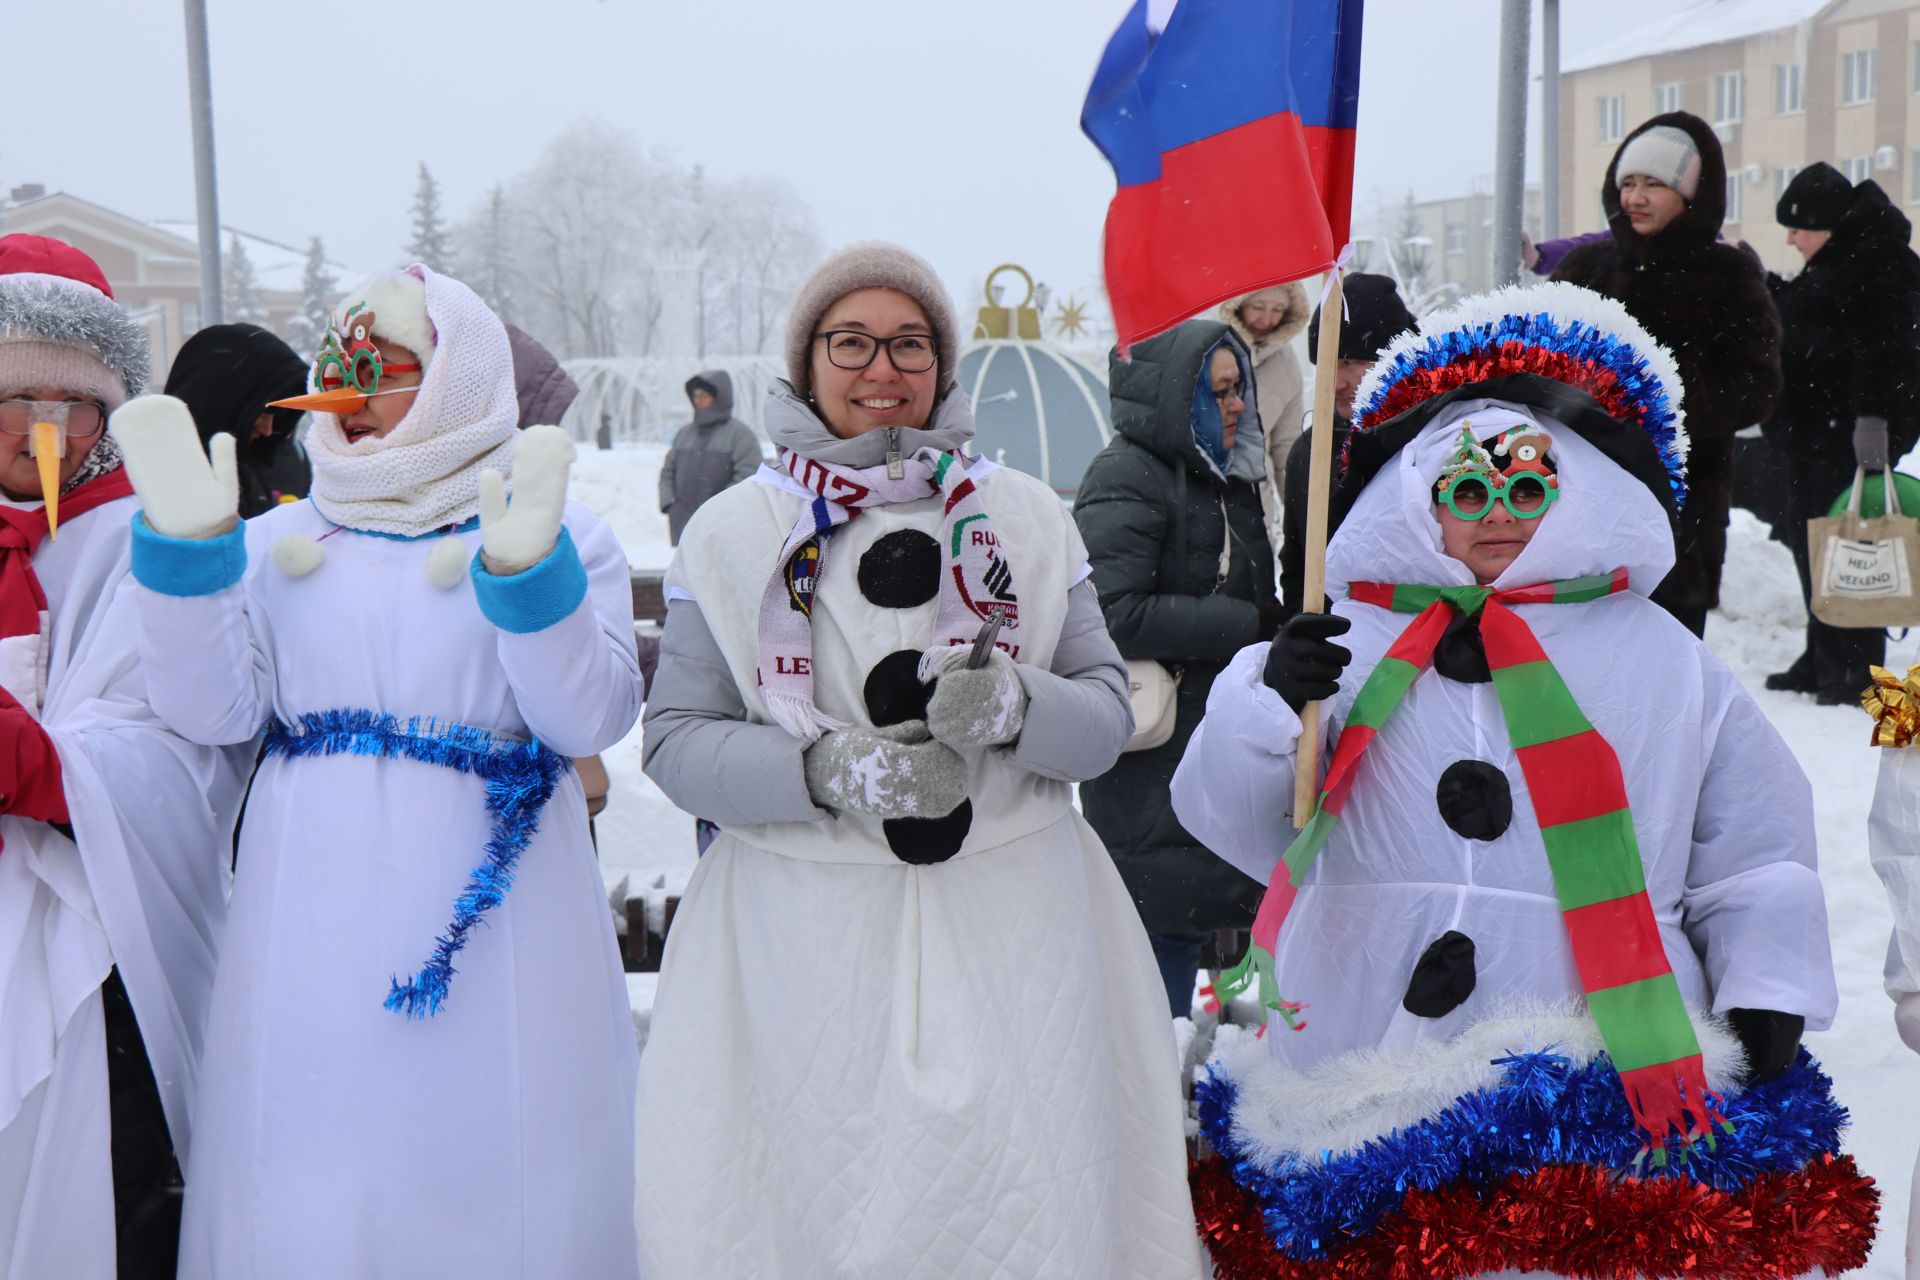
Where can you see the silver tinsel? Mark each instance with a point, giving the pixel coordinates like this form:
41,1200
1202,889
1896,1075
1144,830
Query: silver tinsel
75,317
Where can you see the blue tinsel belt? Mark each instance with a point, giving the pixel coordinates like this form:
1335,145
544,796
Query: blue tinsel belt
1544,1111
519,778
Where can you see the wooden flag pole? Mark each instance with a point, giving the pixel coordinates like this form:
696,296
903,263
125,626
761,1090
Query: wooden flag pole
1313,596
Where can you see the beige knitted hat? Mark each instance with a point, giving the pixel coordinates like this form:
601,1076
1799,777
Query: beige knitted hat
871,265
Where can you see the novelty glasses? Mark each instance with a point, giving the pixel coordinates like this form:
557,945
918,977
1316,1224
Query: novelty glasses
851,349
1471,494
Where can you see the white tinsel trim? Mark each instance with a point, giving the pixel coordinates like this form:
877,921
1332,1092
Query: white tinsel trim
1565,303
67,313
1341,1103
57,282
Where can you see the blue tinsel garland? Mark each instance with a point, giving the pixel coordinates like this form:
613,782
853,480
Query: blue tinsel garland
1543,1112
519,778
1580,341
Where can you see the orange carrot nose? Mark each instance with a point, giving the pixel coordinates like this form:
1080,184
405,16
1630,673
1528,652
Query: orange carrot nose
341,400
47,442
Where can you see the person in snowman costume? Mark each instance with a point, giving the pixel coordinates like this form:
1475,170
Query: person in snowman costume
1536,967
908,1024
420,1058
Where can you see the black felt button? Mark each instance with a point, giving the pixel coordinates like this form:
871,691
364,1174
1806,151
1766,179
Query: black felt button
1475,799
901,570
925,841
1443,979
1462,653
893,690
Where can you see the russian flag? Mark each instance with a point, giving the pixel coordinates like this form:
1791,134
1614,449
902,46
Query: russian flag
1229,125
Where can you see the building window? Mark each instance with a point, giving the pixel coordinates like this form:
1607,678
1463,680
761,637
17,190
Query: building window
1729,97
1856,77
1456,237
1613,118
1666,98
1857,168
1789,90
1782,178
1733,197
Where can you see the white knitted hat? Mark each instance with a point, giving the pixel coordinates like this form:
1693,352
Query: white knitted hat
1665,153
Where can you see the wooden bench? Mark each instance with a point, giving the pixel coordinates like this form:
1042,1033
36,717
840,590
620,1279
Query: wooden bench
644,949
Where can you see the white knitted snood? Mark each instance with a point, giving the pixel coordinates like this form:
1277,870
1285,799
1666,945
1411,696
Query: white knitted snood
425,473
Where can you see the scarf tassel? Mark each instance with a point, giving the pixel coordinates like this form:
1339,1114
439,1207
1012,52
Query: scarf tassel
1670,1099
796,713
1255,971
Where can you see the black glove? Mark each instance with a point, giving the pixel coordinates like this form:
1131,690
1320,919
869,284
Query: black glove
1870,443
1772,1040
1304,664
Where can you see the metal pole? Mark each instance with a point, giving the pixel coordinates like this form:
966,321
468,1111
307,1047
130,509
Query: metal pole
206,192
1510,141
1549,119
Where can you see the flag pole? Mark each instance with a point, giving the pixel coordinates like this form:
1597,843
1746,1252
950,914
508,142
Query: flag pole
1313,596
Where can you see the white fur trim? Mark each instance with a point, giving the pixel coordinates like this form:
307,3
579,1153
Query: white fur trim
1564,302
447,563
297,555
1341,1103
398,300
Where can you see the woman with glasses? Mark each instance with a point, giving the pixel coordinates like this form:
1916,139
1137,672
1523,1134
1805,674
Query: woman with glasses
1171,514
907,1026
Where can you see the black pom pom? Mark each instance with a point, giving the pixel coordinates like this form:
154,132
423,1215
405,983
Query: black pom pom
901,570
1462,653
893,690
925,841
1443,979
1475,799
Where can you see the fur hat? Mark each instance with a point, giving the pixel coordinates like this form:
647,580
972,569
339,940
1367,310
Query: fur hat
1372,316
871,265
398,300
1816,200
1665,153
60,327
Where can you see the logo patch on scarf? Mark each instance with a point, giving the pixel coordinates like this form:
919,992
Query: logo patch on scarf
803,573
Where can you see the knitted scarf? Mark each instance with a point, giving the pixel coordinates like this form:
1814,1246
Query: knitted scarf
975,582
1580,801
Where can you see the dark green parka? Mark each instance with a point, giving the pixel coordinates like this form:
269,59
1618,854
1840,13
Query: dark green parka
1149,509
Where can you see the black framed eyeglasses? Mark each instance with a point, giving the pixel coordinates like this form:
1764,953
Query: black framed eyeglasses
851,349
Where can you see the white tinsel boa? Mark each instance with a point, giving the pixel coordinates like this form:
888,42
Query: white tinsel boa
425,474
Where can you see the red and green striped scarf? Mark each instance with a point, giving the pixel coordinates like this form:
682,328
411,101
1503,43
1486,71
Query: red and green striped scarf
1580,801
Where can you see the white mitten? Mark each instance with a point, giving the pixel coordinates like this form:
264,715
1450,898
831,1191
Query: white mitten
515,538
184,495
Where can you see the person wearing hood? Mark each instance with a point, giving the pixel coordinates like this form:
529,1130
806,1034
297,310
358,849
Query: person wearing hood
1372,316
420,1055
1171,514
713,452
1268,320
112,828
1665,197
1539,960
1851,356
543,388
907,1024
226,374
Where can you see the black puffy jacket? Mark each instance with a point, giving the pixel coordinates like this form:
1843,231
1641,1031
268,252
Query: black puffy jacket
1149,509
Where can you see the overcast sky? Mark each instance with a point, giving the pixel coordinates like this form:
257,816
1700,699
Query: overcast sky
949,125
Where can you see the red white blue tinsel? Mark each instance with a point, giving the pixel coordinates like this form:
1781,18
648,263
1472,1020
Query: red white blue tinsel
519,777
1544,1113
1553,330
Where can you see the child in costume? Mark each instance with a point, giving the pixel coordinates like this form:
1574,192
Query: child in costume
420,1060
1537,966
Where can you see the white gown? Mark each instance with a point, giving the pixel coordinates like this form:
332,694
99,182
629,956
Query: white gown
495,1138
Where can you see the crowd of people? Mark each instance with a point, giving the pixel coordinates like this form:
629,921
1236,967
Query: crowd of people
306,968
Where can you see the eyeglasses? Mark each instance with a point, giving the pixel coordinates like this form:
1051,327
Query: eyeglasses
1471,494
1234,392
851,349
77,419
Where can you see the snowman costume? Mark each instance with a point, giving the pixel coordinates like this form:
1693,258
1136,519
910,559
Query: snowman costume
389,1093
1431,1094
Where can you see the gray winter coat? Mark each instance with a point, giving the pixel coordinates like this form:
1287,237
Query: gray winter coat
708,454
1149,509
701,750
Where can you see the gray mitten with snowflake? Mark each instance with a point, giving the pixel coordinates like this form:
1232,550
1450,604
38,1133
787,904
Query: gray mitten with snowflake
894,772
983,708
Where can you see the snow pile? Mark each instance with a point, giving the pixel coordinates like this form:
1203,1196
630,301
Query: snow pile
622,486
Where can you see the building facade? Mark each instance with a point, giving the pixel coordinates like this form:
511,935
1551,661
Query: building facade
1458,235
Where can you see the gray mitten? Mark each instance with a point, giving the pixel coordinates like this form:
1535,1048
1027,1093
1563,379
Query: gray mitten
1870,443
895,772
981,708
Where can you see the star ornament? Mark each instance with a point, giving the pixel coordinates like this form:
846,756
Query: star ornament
1070,318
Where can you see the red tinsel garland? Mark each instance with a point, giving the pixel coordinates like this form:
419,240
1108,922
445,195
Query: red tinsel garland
1574,1221
1509,357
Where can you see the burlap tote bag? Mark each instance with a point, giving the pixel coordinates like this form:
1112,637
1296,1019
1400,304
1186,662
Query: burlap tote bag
1863,570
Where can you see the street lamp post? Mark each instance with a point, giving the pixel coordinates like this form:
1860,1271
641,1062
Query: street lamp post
206,192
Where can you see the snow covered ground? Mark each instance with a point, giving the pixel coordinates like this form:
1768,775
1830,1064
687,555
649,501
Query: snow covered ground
645,839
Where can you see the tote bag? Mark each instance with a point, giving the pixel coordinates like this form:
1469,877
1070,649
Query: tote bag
1863,570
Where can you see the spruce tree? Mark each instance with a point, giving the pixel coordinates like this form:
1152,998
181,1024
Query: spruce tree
429,243
317,290
240,291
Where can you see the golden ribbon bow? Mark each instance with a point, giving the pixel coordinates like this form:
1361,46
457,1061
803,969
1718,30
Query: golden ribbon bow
1894,704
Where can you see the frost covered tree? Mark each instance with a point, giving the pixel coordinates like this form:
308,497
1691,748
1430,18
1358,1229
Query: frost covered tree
429,243
240,291
485,252
317,295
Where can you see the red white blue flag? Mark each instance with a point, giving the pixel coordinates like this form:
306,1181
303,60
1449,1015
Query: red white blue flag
1229,125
